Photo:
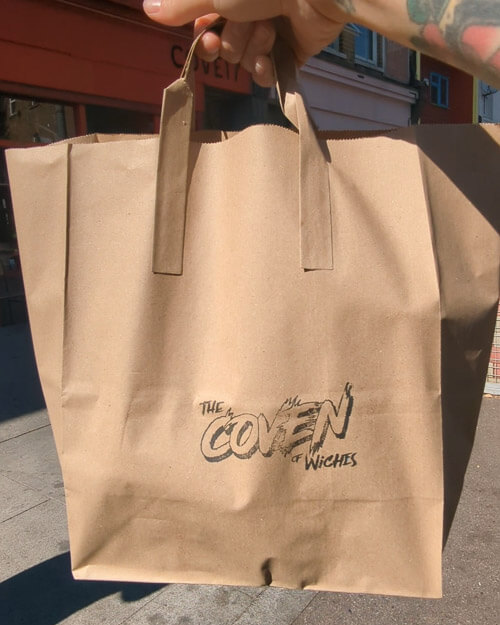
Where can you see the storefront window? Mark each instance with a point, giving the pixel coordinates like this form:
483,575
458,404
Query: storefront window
26,120
234,111
3,169
106,119
12,301
7,234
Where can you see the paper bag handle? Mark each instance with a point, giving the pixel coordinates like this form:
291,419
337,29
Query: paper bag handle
176,127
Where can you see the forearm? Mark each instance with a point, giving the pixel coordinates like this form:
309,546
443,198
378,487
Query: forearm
464,33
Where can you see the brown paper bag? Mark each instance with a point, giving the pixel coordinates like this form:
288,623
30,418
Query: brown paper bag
291,397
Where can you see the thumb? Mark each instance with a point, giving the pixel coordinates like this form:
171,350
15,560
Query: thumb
179,12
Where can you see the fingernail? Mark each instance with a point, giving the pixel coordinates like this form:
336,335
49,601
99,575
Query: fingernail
151,6
259,67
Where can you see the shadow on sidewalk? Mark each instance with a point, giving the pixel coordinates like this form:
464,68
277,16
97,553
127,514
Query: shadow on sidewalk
20,390
46,593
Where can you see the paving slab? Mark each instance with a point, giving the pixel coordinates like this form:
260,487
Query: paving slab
46,594
22,407
19,383
185,604
22,424
37,587
32,537
17,498
31,460
276,606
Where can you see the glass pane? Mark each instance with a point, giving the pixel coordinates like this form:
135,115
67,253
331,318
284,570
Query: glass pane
434,94
26,120
335,45
444,92
106,119
488,107
364,43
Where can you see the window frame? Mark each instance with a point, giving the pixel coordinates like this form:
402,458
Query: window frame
378,42
334,46
442,85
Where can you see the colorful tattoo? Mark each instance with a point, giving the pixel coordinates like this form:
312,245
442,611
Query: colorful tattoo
470,28
346,5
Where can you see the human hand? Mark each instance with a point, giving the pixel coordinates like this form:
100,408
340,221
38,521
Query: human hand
249,34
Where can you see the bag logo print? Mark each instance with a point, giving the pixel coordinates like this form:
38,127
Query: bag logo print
296,425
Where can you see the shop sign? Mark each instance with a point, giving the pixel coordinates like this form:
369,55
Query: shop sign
219,73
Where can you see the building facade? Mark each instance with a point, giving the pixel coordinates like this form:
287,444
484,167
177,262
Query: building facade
362,81
447,94
488,103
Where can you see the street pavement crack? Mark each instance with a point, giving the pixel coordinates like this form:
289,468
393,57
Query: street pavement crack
24,511
304,608
24,433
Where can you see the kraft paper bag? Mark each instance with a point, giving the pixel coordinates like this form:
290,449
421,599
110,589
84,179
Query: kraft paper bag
264,363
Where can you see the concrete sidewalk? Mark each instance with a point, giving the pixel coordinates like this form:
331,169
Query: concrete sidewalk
37,588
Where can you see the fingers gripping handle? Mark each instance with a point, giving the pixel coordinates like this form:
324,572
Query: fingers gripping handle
173,163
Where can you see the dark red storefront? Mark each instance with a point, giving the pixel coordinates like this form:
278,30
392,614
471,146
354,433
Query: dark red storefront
72,67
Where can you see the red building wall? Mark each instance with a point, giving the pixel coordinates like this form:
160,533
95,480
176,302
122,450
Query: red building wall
98,52
461,94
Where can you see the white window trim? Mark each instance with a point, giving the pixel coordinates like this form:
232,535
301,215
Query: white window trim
334,52
352,28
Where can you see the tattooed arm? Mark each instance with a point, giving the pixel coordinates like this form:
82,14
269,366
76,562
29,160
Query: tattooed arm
465,33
